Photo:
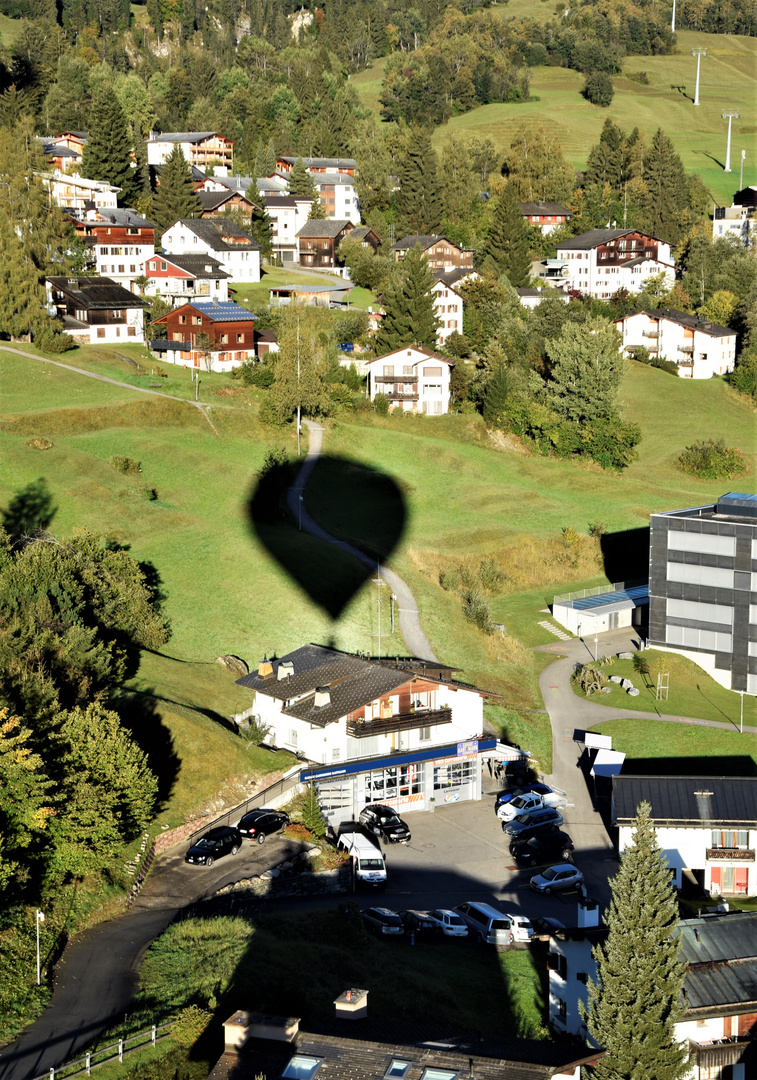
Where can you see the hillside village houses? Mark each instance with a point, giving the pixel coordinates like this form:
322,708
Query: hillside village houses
700,348
75,192
178,278
232,247
414,379
442,254
96,310
737,220
123,241
209,334
602,261
546,216
288,214
201,149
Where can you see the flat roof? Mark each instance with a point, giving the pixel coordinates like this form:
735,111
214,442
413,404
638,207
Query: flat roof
610,601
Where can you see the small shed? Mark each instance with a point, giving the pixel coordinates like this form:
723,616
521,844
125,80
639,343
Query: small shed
314,295
594,611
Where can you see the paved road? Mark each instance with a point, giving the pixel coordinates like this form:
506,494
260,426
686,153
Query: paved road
410,626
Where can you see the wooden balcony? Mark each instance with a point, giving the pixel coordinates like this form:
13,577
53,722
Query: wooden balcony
363,729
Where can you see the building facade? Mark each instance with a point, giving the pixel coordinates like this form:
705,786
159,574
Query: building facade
602,261
448,308
78,192
179,278
546,216
442,254
413,378
96,310
200,148
235,250
123,242
288,215
317,241
207,334
700,348
703,587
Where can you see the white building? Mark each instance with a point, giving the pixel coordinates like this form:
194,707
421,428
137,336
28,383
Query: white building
397,732
700,348
232,247
338,195
602,261
78,192
200,148
720,999
288,214
531,298
737,220
706,827
180,278
413,378
448,308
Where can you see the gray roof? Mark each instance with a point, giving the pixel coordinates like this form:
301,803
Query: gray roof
213,231
352,681
553,208
333,179
323,162
721,954
204,266
588,240
692,322
197,174
361,231
183,136
325,227
421,241
97,293
211,200
283,200
123,216
222,310
53,149
699,801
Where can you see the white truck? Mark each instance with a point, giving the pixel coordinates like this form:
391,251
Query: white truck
368,861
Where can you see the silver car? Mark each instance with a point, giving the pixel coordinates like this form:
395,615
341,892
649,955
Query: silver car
557,877
449,922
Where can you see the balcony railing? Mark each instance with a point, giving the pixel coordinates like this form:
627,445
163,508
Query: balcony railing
650,333
402,397
362,729
686,348
724,854
395,378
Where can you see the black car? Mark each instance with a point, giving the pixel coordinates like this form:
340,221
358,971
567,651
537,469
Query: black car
385,821
533,824
420,924
260,823
382,920
543,849
223,840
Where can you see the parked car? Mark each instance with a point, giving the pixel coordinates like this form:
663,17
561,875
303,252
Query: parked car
526,789
381,920
212,845
384,821
545,927
449,922
542,849
419,923
545,818
487,924
557,877
523,804
261,823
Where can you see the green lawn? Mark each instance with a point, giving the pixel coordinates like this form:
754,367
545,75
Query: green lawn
656,748
10,29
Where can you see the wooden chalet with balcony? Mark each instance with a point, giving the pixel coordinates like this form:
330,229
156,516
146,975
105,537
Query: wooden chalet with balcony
208,334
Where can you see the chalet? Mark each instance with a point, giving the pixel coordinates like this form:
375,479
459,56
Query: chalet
706,827
315,165
199,179
179,278
546,216
719,1024
122,240
200,148
62,158
367,237
396,731
317,241
216,336
442,254
288,214
700,348
232,247
95,310
215,203
414,379
79,192
602,261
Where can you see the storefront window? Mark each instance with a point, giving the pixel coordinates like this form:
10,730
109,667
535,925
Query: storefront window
394,783
454,774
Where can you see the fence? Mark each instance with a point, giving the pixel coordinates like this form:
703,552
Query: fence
84,1065
617,586
267,795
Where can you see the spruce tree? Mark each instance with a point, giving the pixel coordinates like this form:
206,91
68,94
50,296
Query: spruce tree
107,152
495,396
418,203
302,186
409,306
667,189
175,196
636,999
507,242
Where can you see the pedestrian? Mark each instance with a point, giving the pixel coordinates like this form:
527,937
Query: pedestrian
489,763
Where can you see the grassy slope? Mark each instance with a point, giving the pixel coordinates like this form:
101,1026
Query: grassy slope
699,135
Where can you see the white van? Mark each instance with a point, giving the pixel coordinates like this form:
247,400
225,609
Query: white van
486,924
368,861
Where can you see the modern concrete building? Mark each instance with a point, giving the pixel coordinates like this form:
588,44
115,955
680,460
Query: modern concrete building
703,587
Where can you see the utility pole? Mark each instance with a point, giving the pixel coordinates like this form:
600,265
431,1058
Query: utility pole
741,175
699,53
673,21
729,116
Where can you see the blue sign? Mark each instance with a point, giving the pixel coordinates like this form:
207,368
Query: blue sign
474,746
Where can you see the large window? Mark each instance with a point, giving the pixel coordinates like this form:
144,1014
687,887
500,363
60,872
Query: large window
714,576
454,774
695,610
703,543
689,636
393,783
730,838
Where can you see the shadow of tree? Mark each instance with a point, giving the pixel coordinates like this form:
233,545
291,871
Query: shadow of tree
139,715
29,512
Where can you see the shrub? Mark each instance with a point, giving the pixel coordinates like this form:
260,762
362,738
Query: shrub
570,536
597,529
450,579
189,1026
711,459
476,611
638,76
149,493
268,413
381,404
310,812
598,88
589,678
490,575
665,365
744,376
126,465
54,343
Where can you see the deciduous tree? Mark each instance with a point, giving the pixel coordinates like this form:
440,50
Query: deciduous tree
299,385
536,166
586,373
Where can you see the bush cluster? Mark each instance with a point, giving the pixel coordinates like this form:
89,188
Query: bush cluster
711,459
123,464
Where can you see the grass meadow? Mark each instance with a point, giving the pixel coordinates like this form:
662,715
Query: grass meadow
728,81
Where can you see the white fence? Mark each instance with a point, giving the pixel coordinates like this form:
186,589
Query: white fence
84,1065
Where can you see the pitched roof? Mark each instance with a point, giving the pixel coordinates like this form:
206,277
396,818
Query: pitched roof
721,954
429,354
332,179
361,231
323,162
214,230
185,136
588,240
204,266
211,200
197,174
456,276
695,801
553,208
125,217
327,227
222,310
282,200
97,293
682,318
420,241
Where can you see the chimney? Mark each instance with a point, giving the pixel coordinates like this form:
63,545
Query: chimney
246,1025
322,697
588,912
285,670
352,1005
265,668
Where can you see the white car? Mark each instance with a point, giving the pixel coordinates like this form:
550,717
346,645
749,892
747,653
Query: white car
520,927
523,804
449,922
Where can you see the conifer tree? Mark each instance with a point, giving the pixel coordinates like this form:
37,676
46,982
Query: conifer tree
666,185
302,186
107,152
175,196
409,306
636,999
495,396
260,227
507,242
418,203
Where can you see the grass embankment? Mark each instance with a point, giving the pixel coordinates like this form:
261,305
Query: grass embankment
727,82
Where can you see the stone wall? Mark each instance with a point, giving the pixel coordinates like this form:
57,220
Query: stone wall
273,884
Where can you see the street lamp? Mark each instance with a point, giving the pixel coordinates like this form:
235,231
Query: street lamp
40,918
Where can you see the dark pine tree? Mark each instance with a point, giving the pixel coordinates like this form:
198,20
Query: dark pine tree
260,229
409,306
302,186
175,196
507,242
606,163
636,999
666,184
418,203
107,152
495,396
